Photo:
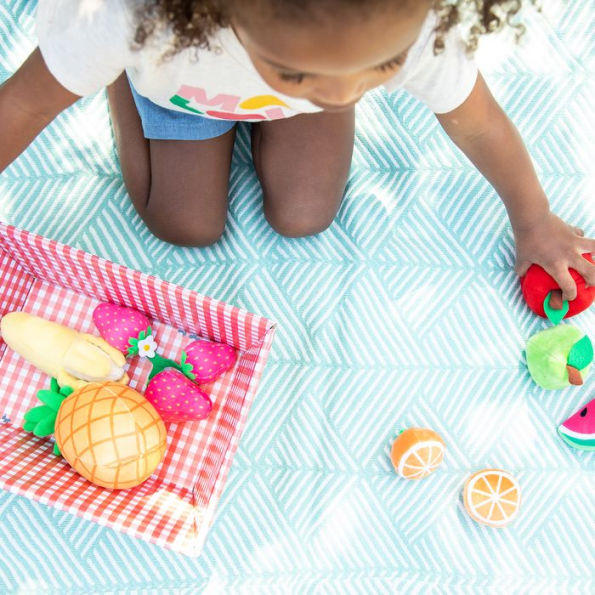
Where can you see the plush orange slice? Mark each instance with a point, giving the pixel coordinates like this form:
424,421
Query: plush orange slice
492,497
417,452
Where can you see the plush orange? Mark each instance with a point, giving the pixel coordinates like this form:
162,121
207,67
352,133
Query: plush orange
417,452
492,497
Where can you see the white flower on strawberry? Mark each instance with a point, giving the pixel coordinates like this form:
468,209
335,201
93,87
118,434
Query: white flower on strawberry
147,347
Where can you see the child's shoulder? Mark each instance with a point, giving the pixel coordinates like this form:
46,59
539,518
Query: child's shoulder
441,80
85,43
86,14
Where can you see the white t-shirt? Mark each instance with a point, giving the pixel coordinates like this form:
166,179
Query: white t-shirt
86,44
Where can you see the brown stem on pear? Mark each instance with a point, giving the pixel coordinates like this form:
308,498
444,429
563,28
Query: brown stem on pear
574,376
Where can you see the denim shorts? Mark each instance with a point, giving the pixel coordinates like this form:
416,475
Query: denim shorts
166,124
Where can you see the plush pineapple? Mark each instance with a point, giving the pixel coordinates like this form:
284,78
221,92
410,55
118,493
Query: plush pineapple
108,432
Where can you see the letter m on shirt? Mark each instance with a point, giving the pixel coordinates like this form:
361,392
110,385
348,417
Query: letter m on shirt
224,102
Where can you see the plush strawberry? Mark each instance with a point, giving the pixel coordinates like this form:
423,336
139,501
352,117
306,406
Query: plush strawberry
171,388
209,360
117,324
176,397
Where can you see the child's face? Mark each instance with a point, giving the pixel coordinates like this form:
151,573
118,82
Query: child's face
332,65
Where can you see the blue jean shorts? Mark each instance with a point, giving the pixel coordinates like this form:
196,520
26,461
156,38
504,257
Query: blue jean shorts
161,123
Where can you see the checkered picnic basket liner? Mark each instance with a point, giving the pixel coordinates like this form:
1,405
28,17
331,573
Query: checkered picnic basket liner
175,506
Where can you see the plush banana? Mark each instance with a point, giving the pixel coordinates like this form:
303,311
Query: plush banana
72,358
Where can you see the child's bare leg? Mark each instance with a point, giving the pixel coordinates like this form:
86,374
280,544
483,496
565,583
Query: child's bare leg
179,188
303,165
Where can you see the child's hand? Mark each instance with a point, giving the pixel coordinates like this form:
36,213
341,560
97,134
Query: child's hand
555,246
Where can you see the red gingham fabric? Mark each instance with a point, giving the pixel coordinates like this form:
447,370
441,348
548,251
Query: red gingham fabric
14,283
176,505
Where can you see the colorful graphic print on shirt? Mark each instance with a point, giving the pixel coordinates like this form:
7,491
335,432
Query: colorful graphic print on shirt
230,107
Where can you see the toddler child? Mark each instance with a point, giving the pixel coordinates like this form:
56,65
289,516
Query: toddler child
181,74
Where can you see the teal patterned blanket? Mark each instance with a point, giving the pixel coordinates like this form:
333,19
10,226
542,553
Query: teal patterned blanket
405,312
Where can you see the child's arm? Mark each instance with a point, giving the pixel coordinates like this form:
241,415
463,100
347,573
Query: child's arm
29,101
481,129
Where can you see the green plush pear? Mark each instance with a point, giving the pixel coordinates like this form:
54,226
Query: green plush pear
559,356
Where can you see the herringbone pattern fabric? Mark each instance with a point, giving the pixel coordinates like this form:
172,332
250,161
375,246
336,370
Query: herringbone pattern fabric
405,312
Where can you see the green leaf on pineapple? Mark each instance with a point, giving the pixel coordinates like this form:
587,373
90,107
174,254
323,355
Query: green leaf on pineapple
36,414
41,420
45,427
50,398
581,354
29,426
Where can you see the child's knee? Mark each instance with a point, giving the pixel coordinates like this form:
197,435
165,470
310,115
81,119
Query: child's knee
186,231
189,236
298,223
298,228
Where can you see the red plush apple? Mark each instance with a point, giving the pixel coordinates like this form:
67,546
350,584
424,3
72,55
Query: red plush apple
536,284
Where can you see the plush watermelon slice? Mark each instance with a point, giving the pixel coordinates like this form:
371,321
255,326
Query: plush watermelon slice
579,430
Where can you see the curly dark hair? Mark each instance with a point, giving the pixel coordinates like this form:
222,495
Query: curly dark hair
479,16
193,22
